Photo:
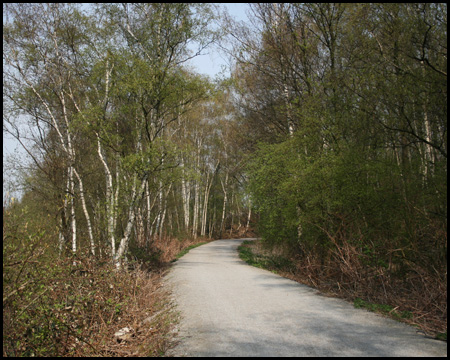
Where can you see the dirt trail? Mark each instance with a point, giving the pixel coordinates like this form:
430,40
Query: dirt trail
229,308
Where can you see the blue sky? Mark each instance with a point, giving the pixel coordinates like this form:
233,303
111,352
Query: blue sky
211,64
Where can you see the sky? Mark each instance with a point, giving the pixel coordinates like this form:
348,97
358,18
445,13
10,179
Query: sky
210,64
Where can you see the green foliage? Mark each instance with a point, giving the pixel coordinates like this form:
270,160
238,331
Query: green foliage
269,174
348,194
357,192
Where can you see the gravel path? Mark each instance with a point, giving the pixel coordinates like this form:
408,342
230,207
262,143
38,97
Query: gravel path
229,308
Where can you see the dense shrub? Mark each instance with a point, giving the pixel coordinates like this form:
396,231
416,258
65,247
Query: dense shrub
351,219
72,306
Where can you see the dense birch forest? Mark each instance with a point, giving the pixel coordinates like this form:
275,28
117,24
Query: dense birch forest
127,143
329,139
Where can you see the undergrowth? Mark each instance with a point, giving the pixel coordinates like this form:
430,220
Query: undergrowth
273,263
57,305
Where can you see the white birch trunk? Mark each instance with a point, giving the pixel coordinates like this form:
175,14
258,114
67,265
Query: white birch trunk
61,239
290,123
160,210
177,215
185,195
123,246
249,215
149,208
109,198
205,207
232,214
139,228
429,158
238,212
197,192
73,221
205,200
115,199
86,213
196,206
71,153
225,200
163,216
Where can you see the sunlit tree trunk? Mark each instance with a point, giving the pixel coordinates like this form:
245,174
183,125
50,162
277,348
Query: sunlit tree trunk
149,210
209,181
249,215
185,195
124,242
109,198
86,213
163,215
225,201
196,192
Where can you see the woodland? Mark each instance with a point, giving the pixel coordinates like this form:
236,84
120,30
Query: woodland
328,140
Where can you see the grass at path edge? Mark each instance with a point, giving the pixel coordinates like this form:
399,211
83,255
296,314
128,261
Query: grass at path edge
185,251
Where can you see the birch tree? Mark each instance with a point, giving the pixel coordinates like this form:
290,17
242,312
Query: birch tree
40,59
114,77
156,35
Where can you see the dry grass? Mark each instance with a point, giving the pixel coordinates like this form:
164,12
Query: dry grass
147,314
74,306
76,313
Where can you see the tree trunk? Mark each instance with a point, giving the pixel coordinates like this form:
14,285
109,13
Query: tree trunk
163,216
73,221
197,192
185,195
149,208
109,198
160,210
209,181
86,213
225,200
123,246
196,208
249,215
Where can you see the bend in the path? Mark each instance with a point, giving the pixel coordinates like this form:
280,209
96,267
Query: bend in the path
229,308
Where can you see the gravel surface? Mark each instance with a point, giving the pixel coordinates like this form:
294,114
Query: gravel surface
229,308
